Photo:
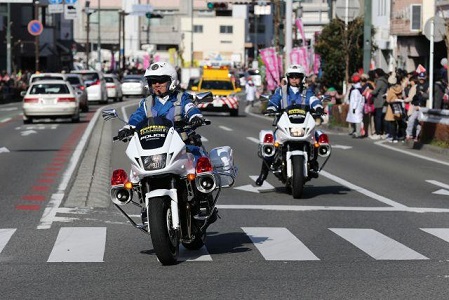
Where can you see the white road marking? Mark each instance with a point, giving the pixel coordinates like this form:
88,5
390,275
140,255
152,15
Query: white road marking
361,190
79,244
377,245
225,128
5,120
4,150
194,255
5,236
49,215
382,144
252,139
278,244
442,233
265,187
27,132
334,208
341,147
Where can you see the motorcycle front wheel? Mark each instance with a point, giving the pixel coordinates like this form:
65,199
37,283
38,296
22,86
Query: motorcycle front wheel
298,179
164,238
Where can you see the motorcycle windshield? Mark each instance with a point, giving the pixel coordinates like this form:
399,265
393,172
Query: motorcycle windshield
153,131
297,113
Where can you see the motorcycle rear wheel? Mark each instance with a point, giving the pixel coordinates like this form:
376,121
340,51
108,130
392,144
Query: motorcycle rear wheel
164,238
298,179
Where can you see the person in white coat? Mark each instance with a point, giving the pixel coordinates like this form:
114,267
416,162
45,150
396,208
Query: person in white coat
250,91
356,103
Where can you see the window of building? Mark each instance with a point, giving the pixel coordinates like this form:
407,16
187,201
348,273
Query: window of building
198,28
225,29
415,17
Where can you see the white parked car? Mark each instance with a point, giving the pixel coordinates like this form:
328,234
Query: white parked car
50,99
134,85
114,87
95,85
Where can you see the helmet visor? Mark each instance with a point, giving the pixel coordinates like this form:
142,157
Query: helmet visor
158,79
296,75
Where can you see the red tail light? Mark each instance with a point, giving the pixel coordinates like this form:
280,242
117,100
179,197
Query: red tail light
96,82
30,100
82,87
66,99
323,139
203,165
119,176
111,87
268,138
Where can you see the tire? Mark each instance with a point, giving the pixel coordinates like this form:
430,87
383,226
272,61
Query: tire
85,108
298,179
76,117
165,240
234,112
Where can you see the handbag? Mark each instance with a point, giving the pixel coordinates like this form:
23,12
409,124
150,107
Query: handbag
396,107
368,108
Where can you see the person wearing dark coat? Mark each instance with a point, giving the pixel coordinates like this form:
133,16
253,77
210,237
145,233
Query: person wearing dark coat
378,93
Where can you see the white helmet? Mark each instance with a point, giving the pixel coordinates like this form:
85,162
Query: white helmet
295,69
162,69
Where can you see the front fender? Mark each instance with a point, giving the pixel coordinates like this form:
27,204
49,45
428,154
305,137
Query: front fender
288,159
172,193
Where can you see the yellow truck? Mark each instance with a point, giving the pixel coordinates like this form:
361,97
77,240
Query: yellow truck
223,86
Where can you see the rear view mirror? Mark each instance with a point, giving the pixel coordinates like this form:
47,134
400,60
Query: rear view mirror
109,114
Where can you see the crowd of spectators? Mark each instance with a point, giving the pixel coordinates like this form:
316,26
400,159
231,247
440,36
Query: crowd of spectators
12,84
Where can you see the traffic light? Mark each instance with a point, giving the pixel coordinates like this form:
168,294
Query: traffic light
217,5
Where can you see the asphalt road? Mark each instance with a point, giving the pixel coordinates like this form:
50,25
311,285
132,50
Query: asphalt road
374,225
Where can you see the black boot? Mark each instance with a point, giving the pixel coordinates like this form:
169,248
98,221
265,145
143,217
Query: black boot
263,174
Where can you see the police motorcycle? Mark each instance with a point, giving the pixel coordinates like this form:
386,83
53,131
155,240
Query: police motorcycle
294,151
175,191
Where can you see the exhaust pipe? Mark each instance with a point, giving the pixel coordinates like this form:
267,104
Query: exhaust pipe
120,195
205,183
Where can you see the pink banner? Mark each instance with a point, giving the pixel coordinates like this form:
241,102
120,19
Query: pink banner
269,58
301,31
146,61
316,63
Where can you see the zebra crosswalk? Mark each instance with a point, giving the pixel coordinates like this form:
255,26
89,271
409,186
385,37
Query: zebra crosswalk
89,244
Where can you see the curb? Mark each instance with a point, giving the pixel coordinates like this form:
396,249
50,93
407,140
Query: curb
90,186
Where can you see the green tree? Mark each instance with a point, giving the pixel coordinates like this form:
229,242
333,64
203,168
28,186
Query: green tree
341,51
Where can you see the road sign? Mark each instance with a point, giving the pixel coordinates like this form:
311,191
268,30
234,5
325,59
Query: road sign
439,30
55,8
352,7
55,1
70,1
35,27
69,12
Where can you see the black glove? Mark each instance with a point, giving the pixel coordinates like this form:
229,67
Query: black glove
125,132
196,121
319,111
353,111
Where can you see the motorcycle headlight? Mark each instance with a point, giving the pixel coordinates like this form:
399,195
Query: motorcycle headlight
296,131
154,162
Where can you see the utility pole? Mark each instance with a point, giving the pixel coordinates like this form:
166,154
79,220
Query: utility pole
36,39
99,37
367,36
88,13
8,38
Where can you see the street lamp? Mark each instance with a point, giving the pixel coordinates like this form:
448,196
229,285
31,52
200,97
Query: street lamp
121,38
